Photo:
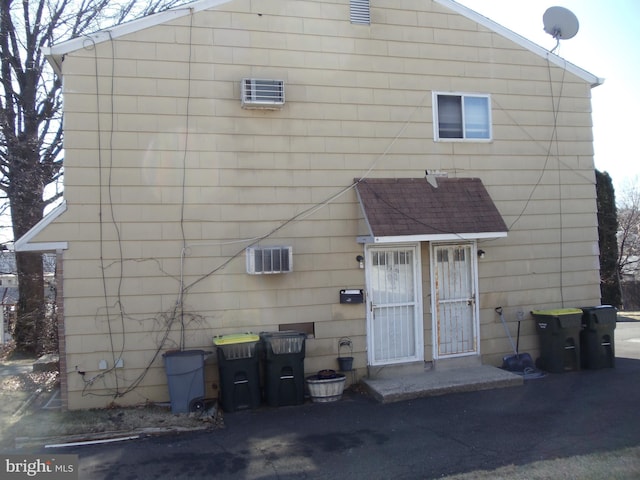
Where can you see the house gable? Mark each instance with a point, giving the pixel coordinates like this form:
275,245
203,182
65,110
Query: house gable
57,52
593,80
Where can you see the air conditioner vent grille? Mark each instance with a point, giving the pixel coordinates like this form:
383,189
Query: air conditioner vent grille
262,93
268,260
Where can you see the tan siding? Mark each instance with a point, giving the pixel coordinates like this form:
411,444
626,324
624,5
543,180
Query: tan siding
358,97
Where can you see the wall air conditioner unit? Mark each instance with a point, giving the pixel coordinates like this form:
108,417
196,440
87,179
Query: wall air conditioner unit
266,260
262,94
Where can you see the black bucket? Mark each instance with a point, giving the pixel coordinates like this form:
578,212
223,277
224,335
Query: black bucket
345,364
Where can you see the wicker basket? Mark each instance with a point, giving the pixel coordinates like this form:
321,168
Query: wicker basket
326,389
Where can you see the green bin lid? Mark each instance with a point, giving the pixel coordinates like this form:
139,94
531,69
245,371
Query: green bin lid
235,338
558,312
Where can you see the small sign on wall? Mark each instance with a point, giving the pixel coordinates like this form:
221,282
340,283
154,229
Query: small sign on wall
351,296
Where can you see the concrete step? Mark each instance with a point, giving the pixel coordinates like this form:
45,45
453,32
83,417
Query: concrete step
440,382
47,363
470,361
400,370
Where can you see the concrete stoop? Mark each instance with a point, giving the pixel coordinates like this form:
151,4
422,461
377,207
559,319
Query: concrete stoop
47,363
440,382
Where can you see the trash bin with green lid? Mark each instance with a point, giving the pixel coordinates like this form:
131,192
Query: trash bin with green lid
239,370
559,335
597,340
283,367
185,376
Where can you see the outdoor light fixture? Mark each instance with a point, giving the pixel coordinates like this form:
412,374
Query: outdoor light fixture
480,253
360,260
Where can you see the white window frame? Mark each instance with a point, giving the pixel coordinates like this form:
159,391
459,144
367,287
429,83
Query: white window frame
464,138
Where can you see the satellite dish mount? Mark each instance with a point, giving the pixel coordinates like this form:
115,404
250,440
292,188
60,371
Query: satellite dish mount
560,23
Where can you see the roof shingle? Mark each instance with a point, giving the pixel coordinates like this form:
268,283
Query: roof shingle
412,206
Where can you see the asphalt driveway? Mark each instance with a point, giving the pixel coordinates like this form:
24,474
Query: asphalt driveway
560,415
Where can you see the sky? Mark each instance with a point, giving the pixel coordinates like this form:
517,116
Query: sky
607,45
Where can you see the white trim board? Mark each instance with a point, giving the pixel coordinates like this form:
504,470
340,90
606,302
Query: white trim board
56,53
443,237
24,244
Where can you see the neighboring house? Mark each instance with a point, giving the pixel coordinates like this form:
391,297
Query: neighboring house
8,294
630,271
630,283
304,130
9,289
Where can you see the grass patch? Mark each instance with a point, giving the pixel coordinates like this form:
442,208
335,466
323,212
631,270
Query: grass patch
615,465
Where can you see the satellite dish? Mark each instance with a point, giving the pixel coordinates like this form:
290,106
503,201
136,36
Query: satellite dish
560,23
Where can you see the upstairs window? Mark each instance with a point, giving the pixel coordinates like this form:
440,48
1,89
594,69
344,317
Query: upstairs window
359,12
461,116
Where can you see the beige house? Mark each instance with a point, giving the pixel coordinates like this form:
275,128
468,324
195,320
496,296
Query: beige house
237,166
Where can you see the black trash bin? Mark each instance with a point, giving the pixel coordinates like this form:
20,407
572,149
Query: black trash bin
597,340
185,375
559,335
283,367
239,370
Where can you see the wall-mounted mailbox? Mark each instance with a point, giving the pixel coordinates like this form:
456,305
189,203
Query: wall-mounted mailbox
351,296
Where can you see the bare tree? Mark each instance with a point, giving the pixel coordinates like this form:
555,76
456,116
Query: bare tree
629,235
30,121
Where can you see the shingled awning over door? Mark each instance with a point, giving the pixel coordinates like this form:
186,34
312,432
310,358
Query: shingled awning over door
412,209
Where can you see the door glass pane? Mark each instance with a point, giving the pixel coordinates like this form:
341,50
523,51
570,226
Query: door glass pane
392,277
394,332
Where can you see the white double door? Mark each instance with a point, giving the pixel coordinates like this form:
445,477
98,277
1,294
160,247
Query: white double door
394,302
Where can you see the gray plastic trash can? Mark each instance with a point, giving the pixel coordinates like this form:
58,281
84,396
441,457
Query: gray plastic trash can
185,375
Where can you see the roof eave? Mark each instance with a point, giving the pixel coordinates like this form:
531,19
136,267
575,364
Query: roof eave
439,237
25,244
56,53
54,60
592,79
